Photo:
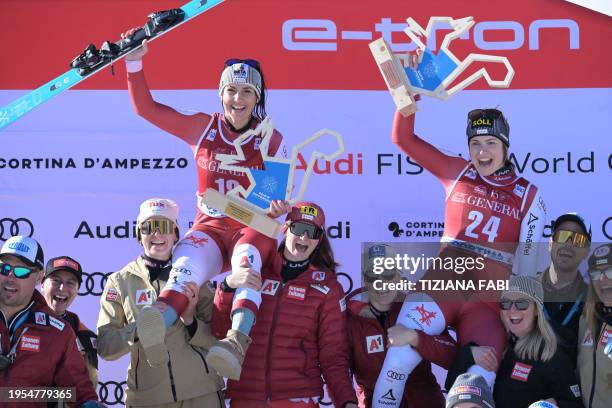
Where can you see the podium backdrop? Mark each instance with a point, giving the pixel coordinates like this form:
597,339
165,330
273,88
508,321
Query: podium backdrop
74,171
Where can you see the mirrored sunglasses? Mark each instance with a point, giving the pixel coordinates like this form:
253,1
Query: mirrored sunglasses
301,228
578,239
20,272
596,274
150,226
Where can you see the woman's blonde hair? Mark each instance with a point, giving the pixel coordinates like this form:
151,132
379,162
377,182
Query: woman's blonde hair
592,311
540,344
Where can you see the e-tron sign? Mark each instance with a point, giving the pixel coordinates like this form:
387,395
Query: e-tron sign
324,35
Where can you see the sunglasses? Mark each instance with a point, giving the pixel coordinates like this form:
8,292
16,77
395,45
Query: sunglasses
521,304
488,113
598,275
150,226
301,228
250,62
579,240
20,272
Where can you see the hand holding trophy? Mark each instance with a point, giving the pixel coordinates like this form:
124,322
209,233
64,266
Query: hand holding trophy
271,183
435,71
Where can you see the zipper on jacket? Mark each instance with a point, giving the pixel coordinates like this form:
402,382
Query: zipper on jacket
171,380
202,357
137,364
271,336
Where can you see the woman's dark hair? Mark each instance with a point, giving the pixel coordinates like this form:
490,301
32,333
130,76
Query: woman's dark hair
322,257
260,108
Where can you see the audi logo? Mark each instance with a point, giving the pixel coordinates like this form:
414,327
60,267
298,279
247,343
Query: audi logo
396,376
111,392
606,228
93,283
10,227
349,282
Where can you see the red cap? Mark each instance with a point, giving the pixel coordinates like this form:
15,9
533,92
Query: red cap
308,212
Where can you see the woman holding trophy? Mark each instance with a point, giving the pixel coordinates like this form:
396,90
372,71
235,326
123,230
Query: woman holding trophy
210,247
492,216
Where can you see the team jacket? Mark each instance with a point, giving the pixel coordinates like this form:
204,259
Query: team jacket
368,341
520,383
46,354
208,136
87,342
591,356
187,375
299,335
498,213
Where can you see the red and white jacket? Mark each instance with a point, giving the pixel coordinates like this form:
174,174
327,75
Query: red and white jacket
300,334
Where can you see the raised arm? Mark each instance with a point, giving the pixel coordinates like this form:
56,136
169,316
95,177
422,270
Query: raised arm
442,166
187,127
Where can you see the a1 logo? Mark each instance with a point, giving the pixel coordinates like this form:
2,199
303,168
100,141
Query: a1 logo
374,344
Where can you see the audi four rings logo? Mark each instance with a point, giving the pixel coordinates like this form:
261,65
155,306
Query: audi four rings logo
348,286
396,376
111,392
93,283
10,227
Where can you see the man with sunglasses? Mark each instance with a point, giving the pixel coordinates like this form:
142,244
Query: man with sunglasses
37,348
186,380
207,249
564,287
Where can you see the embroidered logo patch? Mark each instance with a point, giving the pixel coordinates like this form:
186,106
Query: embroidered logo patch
521,372
374,344
30,343
296,292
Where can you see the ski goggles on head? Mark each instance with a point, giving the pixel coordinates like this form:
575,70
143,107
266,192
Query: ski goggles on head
150,226
596,274
250,62
521,304
20,272
579,240
489,113
300,228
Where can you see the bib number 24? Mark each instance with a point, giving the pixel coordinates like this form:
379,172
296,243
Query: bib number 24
490,228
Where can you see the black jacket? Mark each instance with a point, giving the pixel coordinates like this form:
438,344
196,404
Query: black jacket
520,383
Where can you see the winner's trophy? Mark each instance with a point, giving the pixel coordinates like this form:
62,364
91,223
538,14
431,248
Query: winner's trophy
274,182
435,71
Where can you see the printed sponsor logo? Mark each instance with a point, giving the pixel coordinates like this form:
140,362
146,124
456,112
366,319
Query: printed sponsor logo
426,316
30,343
211,135
296,292
395,375
521,372
318,276
519,190
144,297
270,287
374,344
347,164
576,390
321,288
112,295
417,229
467,389
59,325
342,305
308,35
588,339
471,174
40,318
65,262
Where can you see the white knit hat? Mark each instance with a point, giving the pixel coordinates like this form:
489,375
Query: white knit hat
158,207
241,73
